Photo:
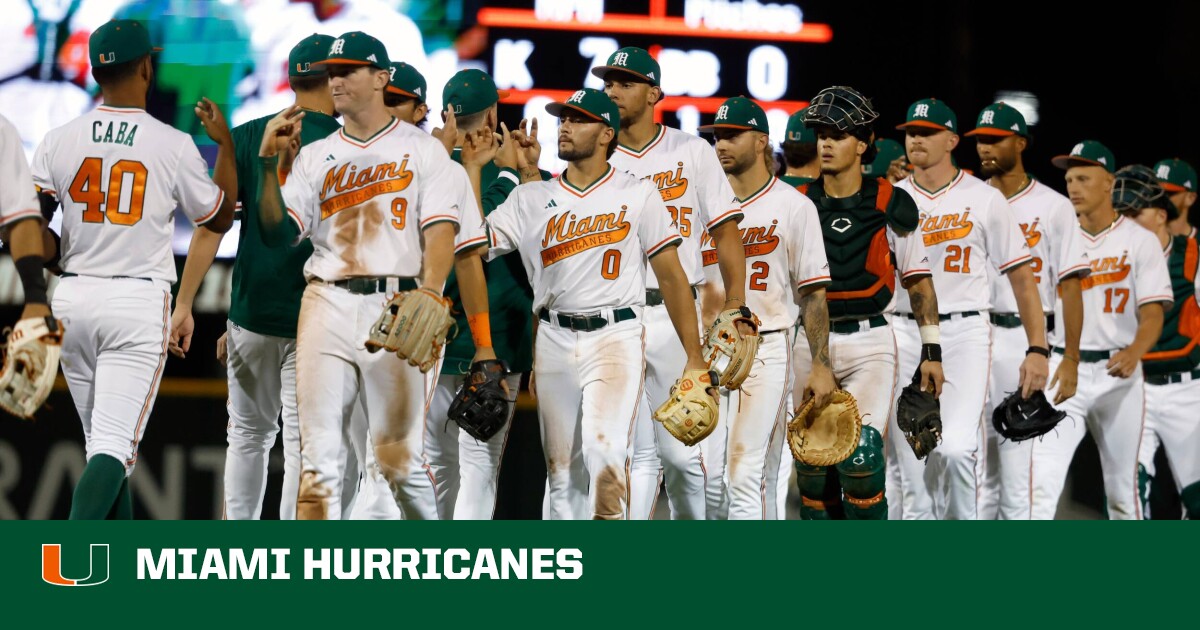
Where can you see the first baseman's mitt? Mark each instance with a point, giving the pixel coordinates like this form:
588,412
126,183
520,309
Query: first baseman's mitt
690,413
1021,419
825,436
728,352
480,406
30,365
919,416
414,326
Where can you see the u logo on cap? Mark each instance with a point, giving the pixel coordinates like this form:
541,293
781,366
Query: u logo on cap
108,57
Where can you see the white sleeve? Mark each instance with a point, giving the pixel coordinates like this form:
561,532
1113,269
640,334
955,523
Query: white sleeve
1073,260
654,223
1151,279
911,258
1006,246
300,196
440,196
503,226
18,197
809,264
195,192
43,179
470,219
715,192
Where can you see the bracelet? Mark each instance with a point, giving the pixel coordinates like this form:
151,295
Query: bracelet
931,352
1067,357
1038,350
734,299
930,334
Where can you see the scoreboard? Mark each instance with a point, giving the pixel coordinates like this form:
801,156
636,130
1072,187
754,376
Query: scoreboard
709,50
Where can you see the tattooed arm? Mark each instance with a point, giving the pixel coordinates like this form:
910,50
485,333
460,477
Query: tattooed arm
925,310
815,314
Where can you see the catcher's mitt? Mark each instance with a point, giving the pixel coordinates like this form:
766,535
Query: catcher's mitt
1021,419
825,436
919,416
30,365
414,326
729,353
480,406
690,414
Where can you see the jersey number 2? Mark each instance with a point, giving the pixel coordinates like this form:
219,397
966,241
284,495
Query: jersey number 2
86,189
761,269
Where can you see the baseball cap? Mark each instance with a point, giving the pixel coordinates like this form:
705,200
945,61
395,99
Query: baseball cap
471,91
931,113
886,152
1175,175
356,48
406,81
591,103
999,119
309,51
739,112
797,131
635,61
118,41
1087,153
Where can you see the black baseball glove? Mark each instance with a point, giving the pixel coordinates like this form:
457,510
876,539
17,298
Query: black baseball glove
919,416
480,406
1021,419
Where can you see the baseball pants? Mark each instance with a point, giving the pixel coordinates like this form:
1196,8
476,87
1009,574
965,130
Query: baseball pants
1113,410
1005,493
1172,420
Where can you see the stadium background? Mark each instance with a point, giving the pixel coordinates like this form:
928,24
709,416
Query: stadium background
1122,77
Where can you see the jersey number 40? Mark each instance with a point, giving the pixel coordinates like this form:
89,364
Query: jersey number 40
88,188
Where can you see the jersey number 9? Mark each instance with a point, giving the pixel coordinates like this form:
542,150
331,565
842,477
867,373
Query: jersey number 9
86,189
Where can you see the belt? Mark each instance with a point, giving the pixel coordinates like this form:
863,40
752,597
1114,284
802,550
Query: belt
948,316
587,323
67,274
847,326
1012,320
370,285
654,297
1090,356
1177,377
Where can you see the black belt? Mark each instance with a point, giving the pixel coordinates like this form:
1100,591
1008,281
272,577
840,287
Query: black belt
847,326
654,297
587,323
370,285
946,316
1012,320
1090,356
67,274
1177,377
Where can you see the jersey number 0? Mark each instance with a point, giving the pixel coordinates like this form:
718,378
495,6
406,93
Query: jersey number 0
86,189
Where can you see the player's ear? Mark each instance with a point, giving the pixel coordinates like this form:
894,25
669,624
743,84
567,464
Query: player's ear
953,141
656,95
420,113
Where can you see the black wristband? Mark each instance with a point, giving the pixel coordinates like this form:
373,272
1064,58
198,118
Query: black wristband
33,279
931,352
1038,350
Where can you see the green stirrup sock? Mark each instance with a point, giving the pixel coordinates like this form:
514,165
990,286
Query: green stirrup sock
98,489
122,509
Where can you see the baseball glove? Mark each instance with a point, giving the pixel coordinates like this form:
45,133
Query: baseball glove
31,355
919,416
728,352
825,436
480,406
690,413
1020,419
414,326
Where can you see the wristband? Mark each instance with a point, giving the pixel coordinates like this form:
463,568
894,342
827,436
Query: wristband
931,352
931,334
1038,350
269,162
481,329
33,279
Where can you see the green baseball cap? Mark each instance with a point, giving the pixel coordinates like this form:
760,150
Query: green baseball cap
406,81
999,119
739,112
118,41
797,132
1175,175
1087,153
591,103
886,152
471,91
310,50
356,48
633,60
931,113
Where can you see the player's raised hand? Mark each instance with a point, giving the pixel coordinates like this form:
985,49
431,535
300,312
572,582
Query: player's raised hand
182,327
507,156
932,377
213,121
1123,363
527,139
448,132
1066,377
282,132
479,148
1035,369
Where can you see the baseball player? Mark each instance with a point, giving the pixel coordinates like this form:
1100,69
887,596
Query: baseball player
689,178
967,227
890,161
1178,178
1172,367
1048,223
18,204
382,203
1123,303
584,240
119,175
788,274
866,225
799,153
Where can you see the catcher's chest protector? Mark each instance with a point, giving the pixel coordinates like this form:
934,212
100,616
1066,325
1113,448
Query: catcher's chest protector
860,260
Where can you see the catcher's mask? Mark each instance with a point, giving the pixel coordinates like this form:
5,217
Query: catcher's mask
1136,188
845,109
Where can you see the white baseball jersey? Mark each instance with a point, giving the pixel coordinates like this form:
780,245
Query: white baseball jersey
18,197
685,170
584,250
365,202
777,214
966,226
1128,270
1047,219
119,174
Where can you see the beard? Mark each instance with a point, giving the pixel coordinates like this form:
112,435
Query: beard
998,166
578,151
741,163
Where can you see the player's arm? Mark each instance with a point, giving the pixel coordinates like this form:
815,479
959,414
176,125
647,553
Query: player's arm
439,256
225,170
280,144
472,287
201,253
681,307
814,311
28,253
1066,377
731,259
1036,367
924,303
1150,323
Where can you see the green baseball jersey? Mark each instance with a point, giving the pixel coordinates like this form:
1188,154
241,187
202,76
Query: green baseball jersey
510,297
1178,347
862,256
267,281
795,181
